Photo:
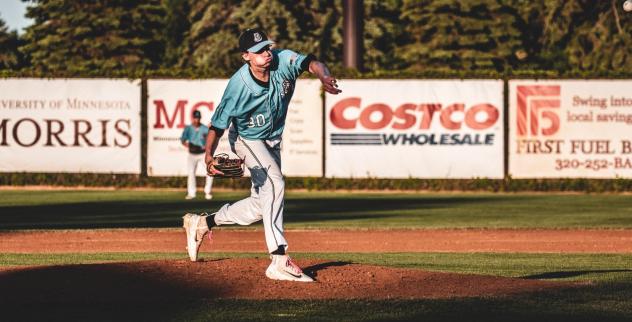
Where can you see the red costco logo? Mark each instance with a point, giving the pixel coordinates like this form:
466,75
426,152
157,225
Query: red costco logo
409,116
534,105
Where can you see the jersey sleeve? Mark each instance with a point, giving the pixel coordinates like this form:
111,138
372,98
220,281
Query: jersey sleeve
185,135
222,115
293,63
205,132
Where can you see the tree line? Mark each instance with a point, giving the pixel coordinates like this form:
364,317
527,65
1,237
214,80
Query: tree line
399,36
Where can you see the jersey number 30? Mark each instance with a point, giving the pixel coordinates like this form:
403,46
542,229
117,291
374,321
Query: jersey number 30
258,120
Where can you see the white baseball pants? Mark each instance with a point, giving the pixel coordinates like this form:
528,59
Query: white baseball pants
263,159
192,162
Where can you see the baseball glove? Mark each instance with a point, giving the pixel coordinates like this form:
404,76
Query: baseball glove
230,168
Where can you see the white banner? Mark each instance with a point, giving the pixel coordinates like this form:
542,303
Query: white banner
302,148
70,125
415,128
570,128
170,107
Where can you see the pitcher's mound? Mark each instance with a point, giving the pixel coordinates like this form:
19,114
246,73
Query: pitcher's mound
245,278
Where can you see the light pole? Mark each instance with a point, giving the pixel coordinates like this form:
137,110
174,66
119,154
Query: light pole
352,32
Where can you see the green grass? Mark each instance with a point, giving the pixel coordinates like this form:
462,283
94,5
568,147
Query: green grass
550,306
570,305
604,295
20,209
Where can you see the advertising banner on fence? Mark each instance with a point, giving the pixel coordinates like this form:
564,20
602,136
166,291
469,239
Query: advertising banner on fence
570,129
302,147
70,125
415,128
170,107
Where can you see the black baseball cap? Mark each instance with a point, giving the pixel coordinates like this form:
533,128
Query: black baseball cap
197,115
253,40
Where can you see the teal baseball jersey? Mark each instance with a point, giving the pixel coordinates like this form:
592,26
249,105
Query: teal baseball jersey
197,137
256,111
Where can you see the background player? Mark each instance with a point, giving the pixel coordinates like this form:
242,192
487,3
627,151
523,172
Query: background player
194,139
255,105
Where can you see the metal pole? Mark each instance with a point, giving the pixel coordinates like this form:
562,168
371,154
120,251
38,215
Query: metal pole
352,29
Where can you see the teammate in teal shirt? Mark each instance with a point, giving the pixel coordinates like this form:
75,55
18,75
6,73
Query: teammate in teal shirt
254,107
194,139
196,136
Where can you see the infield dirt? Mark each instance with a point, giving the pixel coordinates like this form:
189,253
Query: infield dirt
245,279
382,241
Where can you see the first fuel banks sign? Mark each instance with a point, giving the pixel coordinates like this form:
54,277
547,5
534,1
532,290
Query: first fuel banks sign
570,128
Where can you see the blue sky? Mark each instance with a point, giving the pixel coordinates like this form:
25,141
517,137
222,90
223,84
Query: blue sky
12,12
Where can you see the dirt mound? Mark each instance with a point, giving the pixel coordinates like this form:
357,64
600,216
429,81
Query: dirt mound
243,278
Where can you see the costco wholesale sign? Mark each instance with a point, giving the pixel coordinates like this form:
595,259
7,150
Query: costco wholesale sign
572,128
70,125
170,107
415,128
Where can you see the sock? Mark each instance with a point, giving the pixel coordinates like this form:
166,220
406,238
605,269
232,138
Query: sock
207,221
279,251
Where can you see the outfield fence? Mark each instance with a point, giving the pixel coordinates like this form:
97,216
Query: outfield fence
384,129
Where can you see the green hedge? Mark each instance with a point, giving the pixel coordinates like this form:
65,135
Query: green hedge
317,183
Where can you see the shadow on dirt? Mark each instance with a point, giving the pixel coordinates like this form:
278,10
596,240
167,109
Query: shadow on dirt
569,274
93,292
313,270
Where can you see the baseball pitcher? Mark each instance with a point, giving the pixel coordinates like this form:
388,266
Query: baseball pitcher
253,109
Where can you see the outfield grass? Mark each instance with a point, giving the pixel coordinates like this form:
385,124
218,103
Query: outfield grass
570,305
20,209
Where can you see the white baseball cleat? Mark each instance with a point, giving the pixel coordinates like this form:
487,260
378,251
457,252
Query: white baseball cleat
284,269
189,197
195,234
208,196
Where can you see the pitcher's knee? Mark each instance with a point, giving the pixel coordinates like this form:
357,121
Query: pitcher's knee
256,217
